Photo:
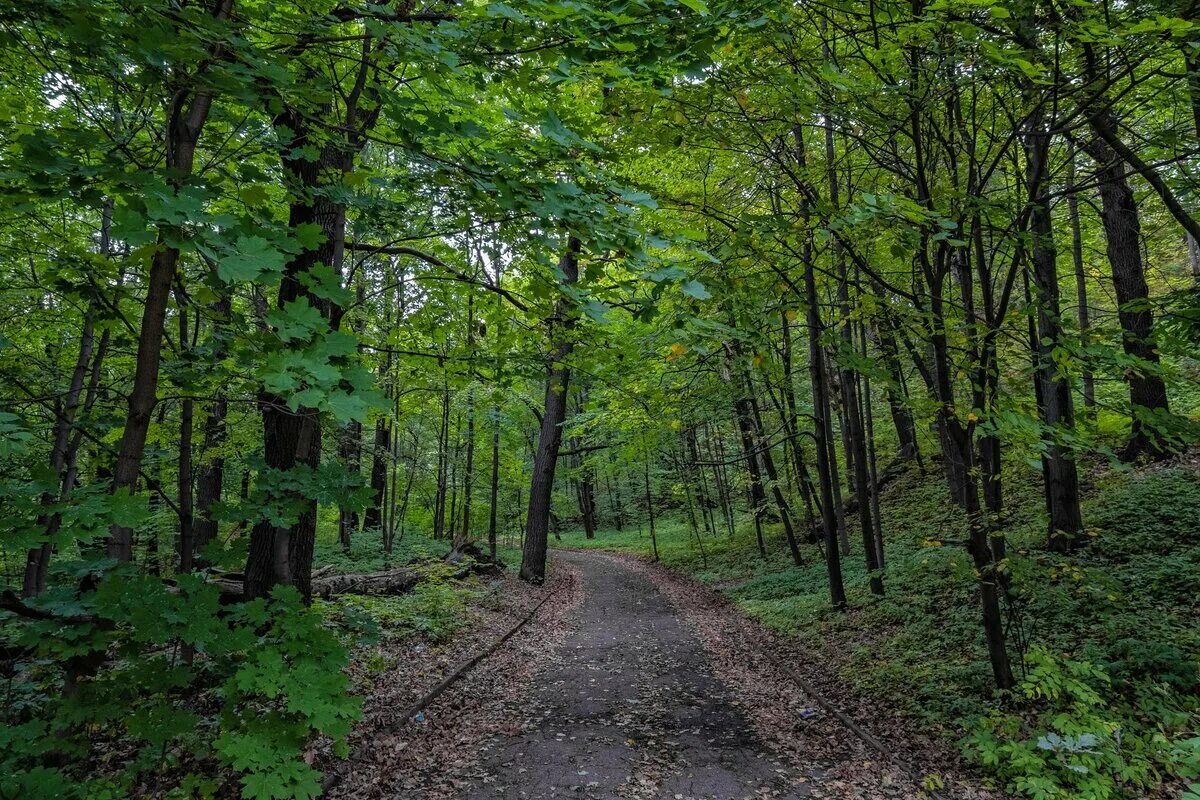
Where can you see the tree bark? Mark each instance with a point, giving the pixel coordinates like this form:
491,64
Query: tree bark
1123,235
186,117
210,477
1065,529
558,378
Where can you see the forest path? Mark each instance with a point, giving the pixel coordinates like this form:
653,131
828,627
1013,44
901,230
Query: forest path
629,706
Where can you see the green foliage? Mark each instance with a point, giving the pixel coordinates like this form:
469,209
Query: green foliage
1069,743
434,609
171,683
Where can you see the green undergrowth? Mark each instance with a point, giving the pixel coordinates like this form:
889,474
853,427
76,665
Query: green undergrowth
1106,641
132,686
435,608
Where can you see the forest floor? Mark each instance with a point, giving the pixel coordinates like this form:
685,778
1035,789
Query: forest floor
631,682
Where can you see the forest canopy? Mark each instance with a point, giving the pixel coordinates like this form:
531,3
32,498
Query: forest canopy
289,287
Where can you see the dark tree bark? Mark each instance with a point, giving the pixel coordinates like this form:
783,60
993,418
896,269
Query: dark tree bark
464,532
720,477
745,424
373,515
902,418
558,378
494,493
350,454
187,114
282,554
1065,531
37,560
350,448
792,425
763,446
1123,234
443,461
825,451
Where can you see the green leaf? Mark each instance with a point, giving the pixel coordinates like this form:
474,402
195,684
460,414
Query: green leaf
696,289
254,257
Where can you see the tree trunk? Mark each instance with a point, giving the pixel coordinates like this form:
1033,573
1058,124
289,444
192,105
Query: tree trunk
745,423
186,117
792,425
825,452
373,515
902,418
560,325
1065,530
443,454
211,475
1081,297
37,560
494,493
650,505
282,554
464,532
763,445
1123,234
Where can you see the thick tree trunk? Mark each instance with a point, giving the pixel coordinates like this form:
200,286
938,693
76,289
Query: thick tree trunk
558,378
1123,233
282,554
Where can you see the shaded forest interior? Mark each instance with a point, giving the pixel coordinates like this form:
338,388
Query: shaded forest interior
325,322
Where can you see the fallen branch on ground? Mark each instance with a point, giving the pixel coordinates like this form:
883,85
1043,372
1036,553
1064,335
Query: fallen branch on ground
334,778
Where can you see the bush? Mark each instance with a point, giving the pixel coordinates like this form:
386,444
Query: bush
135,687
1067,743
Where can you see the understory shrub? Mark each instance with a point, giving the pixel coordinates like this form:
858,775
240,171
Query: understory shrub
134,686
1070,736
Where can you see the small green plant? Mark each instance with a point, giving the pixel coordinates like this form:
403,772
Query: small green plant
1067,743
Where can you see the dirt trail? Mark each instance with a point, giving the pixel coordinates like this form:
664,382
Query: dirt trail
628,706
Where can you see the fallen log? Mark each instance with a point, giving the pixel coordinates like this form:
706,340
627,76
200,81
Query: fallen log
396,581
473,558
